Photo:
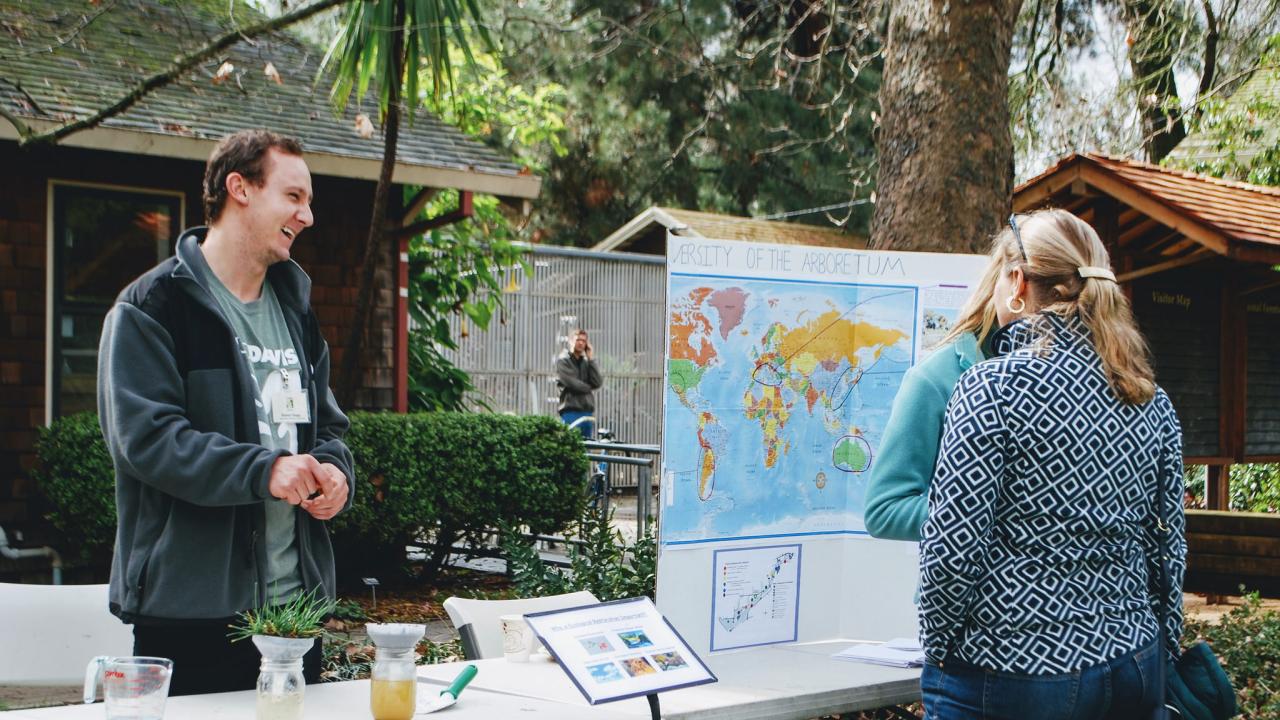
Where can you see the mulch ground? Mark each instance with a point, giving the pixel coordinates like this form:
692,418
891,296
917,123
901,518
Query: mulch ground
410,603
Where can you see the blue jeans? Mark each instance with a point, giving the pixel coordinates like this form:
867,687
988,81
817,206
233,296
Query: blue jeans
1119,689
588,428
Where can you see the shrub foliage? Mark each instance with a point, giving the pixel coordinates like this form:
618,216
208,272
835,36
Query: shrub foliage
422,478
75,473
1253,487
603,564
1247,642
435,478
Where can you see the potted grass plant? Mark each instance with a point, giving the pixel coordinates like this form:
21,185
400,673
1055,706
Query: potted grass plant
283,633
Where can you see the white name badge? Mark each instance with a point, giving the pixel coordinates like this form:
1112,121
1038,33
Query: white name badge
290,406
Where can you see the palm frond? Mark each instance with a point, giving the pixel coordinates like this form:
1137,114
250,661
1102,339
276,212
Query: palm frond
363,53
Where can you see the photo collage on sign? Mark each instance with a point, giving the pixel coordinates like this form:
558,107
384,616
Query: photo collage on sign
646,663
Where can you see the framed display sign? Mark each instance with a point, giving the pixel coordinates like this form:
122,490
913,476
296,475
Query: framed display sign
618,650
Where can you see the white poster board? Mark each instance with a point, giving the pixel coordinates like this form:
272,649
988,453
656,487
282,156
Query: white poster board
617,650
782,365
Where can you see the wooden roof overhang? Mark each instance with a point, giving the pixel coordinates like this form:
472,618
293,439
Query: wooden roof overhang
1157,220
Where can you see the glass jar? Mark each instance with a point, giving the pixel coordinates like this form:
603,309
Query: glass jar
280,688
393,686
280,681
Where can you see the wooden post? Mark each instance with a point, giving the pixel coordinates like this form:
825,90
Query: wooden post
1231,402
1216,494
401,360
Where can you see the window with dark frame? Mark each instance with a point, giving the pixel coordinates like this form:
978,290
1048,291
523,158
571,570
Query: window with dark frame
103,238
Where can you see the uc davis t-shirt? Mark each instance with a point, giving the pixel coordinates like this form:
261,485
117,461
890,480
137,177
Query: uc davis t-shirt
263,338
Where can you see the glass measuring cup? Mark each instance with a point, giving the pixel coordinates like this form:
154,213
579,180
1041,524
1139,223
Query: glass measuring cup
133,688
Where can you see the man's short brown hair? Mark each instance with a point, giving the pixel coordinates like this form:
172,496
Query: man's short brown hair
244,152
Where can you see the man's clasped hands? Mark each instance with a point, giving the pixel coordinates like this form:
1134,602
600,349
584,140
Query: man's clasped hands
319,488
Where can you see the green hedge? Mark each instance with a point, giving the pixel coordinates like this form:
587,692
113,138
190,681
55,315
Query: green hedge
448,475
74,471
456,475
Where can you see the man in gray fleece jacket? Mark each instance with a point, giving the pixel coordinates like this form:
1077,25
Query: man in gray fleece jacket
578,376
227,444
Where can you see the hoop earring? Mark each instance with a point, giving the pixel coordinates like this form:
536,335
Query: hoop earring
1022,304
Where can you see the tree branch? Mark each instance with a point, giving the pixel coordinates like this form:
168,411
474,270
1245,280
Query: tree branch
1205,98
85,21
24,130
177,69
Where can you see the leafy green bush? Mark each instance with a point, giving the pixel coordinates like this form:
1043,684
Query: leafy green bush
443,475
436,478
600,565
75,473
1253,487
1247,641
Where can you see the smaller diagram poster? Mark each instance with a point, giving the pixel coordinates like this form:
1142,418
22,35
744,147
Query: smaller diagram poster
757,593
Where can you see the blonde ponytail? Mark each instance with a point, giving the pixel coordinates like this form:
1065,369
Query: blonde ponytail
1058,244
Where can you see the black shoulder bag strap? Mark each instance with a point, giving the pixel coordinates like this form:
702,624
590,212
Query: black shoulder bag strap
1161,711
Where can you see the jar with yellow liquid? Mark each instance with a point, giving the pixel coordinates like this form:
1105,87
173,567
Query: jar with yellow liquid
393,686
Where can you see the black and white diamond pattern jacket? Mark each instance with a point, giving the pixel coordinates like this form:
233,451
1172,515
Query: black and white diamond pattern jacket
1038,555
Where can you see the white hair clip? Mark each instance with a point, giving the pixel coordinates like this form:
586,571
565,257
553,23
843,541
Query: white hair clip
1089,271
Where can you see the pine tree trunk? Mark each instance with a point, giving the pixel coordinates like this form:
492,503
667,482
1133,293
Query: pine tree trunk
946,153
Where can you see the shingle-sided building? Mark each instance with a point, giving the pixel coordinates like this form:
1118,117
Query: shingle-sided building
80,219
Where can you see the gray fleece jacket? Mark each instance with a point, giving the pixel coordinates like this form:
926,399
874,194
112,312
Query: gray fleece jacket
578,379
176,403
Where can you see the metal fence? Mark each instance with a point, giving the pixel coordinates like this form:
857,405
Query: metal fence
618,298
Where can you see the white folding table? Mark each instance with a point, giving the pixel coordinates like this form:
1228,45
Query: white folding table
339,701
780,682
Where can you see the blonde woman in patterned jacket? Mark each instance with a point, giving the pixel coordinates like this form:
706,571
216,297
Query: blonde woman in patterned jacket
1037,563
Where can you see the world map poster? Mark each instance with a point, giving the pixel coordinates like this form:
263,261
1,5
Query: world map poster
782,366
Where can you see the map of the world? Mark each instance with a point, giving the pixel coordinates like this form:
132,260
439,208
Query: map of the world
777,395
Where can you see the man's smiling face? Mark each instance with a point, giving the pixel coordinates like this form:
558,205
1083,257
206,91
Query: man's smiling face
281,208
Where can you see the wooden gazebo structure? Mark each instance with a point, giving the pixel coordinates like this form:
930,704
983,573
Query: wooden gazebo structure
1199,258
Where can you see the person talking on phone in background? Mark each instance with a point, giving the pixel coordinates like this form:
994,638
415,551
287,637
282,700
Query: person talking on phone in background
578,376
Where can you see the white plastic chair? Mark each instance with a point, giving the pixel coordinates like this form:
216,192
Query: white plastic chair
477,620
52,631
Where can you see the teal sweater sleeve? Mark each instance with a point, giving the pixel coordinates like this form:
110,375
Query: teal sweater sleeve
898,492
897,495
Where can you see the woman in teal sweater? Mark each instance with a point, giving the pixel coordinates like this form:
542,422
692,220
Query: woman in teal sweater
897,494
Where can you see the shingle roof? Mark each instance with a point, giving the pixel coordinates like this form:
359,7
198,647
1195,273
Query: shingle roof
1208,209
65,71
728,227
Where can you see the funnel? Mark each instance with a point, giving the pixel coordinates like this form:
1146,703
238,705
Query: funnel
395,637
